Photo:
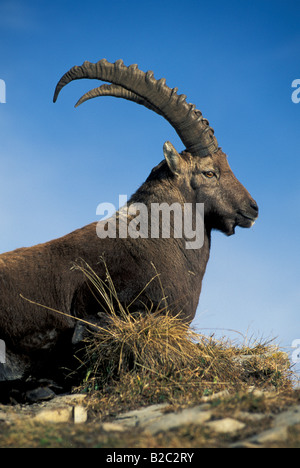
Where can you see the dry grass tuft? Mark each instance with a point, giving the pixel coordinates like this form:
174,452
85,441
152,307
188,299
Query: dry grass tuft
151,356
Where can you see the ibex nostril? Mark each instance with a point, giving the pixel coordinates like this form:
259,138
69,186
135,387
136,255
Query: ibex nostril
254,206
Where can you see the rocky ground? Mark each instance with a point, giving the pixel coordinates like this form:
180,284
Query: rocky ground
253,419
149,381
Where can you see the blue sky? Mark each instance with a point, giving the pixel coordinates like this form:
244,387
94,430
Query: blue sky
235,60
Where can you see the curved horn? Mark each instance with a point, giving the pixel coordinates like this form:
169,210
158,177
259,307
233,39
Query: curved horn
133,84
116,91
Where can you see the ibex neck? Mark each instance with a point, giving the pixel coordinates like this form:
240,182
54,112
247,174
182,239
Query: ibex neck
176,214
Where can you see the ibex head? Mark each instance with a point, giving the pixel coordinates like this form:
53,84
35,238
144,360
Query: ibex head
210,180
202,170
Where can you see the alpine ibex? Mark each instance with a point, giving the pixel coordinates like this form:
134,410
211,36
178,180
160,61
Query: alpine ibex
200,174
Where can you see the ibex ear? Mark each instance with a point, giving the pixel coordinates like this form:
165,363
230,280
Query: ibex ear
173,158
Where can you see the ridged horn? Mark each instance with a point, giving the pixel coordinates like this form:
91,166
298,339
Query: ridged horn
135,85
116,91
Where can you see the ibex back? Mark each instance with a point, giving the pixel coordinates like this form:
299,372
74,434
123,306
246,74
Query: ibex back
200,174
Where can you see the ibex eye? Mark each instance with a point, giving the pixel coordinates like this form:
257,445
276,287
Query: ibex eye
209,174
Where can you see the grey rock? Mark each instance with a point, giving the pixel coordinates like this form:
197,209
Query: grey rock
226,425
174,420
40,394
142,416
58,415
279,430
152,419
80,414
112,427
244,444
251,417
271,435
289,417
